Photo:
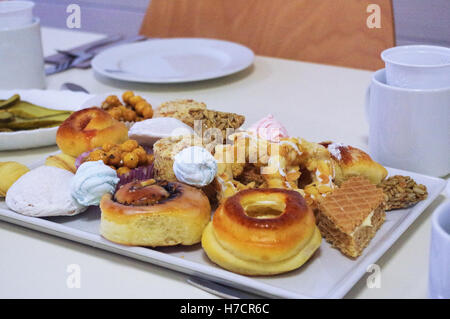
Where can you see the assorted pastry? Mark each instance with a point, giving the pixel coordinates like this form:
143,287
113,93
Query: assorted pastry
157,177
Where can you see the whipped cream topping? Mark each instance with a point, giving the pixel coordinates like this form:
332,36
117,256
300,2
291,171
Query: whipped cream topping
195,166
269,129
92,181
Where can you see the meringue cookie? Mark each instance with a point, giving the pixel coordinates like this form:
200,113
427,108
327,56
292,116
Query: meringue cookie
92,181
44,191
269,129
195,166
147,132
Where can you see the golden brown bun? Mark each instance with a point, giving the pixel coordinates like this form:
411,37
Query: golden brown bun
262,232
162,221
351,161
87,129
63,161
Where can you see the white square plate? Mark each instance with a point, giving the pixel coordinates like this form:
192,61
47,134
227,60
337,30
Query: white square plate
328,274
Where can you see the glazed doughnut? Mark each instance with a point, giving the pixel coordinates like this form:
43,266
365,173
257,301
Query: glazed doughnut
87,129
262,232
154,213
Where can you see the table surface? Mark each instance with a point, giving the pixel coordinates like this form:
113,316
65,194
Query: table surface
316,102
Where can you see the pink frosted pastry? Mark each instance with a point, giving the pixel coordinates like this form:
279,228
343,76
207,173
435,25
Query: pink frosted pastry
269,129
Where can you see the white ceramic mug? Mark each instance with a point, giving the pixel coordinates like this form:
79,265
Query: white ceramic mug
417,66
439,267
21,57
409,129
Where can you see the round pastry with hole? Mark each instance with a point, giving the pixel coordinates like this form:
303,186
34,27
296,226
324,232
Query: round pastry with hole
262,232
154,213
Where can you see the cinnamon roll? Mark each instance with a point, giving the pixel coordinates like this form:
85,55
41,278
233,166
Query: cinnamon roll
154,213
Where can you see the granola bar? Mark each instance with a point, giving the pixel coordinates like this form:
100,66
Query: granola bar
402,191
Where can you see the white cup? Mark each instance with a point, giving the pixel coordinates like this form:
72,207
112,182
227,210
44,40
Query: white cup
21,57
417,66
409,129
15,14
439,267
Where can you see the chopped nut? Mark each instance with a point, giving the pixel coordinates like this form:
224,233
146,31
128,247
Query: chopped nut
402,191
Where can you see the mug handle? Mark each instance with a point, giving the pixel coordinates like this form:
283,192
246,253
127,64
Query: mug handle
367,103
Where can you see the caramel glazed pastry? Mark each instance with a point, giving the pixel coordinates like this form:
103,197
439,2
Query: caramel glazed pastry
296,164
154,213
262,232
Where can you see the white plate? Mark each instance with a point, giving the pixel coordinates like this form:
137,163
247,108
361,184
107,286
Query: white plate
58,100
173,60
328,274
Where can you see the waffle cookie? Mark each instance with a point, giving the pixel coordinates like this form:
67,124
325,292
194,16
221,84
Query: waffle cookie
349,217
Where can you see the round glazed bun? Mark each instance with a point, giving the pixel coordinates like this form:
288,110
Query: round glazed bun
87,129
149,213
262,232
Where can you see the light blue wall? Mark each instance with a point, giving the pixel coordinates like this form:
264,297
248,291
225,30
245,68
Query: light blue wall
416,21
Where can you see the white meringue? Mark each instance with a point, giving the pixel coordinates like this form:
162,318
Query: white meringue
44,191
195,166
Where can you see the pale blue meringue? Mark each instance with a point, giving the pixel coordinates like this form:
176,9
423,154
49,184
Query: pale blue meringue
195,166
91,181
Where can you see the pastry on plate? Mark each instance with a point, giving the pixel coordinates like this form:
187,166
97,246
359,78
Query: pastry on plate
63,161
147,132
154,213
124,157
351,161
10,172
350,216
165,150
179,109
291,163
43,191
190,111
87,129
262,232
402,192
226,122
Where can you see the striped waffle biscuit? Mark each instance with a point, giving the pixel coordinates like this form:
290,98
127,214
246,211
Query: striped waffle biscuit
350,216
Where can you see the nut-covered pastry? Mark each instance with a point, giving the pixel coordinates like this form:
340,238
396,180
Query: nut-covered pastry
179,109
262,232
10,172
210,119
402,192
154,213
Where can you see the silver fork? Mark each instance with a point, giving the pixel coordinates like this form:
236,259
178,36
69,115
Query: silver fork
60,67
